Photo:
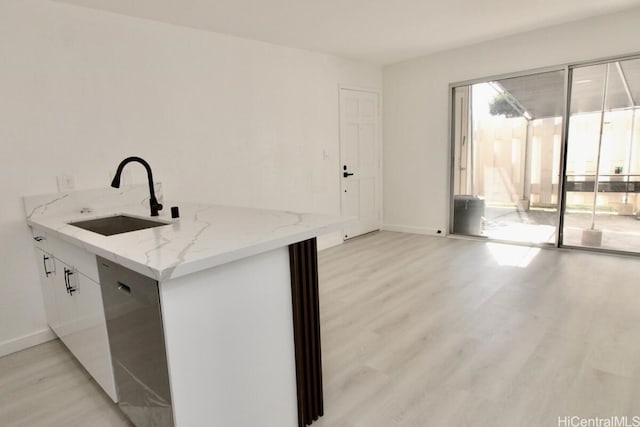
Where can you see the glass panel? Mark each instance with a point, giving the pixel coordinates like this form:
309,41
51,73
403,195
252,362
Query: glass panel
603,158
507,144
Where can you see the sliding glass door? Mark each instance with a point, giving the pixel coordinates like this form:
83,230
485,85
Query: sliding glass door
512,155
506,158
603,158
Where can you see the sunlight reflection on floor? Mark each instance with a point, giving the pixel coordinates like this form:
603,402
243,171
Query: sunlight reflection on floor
527,233
511,255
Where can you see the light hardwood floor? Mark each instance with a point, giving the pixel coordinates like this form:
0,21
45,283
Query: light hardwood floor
425,331
45,386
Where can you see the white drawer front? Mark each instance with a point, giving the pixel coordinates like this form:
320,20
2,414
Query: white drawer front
76,257
40,239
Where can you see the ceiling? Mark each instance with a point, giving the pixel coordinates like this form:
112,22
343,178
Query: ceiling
377,31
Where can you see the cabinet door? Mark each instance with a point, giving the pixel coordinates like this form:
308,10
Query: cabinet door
88,339
47,273
65,305
82,325
73,304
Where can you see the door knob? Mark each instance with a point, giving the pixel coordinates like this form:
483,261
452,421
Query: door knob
346,174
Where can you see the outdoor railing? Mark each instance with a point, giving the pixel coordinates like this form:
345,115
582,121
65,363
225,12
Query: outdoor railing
618,183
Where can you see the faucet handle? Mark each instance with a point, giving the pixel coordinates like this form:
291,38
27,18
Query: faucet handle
155,208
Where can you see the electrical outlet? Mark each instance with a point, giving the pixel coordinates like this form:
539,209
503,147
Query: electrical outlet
65,183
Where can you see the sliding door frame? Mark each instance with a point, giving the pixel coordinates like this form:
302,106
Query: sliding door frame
452,106
561,203
562,198
565,148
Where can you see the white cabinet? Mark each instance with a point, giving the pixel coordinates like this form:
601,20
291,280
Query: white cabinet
47,270
40,239
84,329
73,304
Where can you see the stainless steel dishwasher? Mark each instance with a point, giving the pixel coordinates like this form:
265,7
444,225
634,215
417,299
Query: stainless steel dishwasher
136,339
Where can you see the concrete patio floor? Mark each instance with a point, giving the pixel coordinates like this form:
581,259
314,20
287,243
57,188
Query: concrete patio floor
619,232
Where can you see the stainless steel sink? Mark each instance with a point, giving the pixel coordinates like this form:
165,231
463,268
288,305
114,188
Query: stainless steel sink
118,224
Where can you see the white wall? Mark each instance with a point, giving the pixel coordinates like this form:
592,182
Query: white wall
220,119
416,95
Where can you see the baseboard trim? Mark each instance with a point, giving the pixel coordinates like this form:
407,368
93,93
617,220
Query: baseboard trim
26,341
413,230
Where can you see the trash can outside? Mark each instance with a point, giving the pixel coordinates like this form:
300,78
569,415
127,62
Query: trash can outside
468,211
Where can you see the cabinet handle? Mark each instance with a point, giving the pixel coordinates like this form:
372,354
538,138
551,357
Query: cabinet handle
72,289
66,278
38,238
67,281
44,261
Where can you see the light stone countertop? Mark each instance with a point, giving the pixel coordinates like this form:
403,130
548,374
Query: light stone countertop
204,236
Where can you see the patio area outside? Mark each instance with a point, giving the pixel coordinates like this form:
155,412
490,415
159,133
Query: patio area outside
620,232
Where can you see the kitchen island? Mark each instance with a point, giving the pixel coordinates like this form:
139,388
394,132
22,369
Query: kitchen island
237,302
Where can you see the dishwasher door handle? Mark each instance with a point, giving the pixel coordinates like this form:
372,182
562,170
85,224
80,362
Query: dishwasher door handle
124,288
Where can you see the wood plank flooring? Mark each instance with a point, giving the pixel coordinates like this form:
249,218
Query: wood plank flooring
426,331
46,386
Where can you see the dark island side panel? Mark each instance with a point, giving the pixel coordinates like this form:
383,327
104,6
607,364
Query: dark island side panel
306,329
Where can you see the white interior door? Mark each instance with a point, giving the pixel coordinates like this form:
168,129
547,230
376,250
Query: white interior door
360,160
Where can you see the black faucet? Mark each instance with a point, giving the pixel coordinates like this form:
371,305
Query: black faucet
153,202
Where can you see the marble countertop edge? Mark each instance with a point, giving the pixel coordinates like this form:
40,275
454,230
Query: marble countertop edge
205,237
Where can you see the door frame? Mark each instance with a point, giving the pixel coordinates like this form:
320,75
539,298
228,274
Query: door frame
565,146
379,192
557,243
568,74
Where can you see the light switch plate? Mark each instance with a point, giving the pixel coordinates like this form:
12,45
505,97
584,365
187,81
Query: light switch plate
66,183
